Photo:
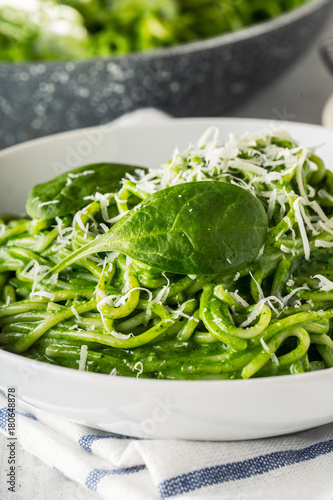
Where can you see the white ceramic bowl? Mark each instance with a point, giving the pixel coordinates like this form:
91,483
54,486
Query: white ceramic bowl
204,410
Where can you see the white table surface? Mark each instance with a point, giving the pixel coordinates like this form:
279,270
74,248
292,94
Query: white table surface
298,95
37,481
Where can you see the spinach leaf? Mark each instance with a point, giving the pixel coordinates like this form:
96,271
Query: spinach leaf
65,194
191,228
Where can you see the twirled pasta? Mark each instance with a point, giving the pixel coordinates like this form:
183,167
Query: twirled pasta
111,314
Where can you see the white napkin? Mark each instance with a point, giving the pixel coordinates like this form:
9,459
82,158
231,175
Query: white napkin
297,466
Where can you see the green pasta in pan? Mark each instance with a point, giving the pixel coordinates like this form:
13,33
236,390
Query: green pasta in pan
32,30
218,265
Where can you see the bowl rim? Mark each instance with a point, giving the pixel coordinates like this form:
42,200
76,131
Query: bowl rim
200,45
113,124
147,383
62,372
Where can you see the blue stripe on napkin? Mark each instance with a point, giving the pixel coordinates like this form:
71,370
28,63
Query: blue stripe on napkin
234,471
96,475
27,415
3,418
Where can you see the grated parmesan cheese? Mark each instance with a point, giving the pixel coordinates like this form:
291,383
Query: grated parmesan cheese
324,283
47,203
302,230
83,357
265,346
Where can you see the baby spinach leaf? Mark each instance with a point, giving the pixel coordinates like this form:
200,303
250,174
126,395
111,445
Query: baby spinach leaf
191,228
65,194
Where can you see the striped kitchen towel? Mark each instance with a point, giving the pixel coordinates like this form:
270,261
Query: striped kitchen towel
297,466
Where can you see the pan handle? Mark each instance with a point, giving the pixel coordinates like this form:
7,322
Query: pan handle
326,52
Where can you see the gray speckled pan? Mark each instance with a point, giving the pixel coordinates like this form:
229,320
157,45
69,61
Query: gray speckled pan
203,78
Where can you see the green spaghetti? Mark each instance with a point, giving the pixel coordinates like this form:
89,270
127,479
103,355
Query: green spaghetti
219,265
